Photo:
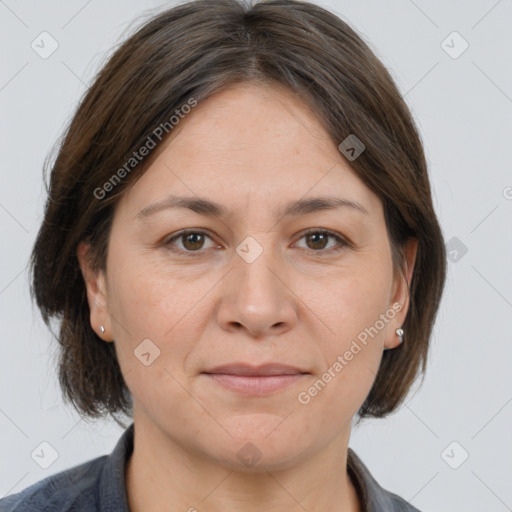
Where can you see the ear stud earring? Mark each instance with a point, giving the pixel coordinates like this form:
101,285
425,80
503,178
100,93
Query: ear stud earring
102,329
400,334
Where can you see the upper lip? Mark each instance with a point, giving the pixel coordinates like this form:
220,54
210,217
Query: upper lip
248,369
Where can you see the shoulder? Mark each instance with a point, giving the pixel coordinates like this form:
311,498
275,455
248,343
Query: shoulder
398,504
97,484
374,497
75,489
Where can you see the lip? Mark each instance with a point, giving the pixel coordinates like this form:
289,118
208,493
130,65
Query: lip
263,370
254,384
255,380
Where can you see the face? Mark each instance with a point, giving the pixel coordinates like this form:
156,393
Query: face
251,284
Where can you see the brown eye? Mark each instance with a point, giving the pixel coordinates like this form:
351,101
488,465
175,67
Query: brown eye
317,241
190,241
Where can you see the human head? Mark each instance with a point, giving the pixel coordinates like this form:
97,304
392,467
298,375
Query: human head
194,51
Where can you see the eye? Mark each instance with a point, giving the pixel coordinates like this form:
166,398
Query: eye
192,241
318,240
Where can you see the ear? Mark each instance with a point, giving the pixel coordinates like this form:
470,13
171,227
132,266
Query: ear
95,284
400,295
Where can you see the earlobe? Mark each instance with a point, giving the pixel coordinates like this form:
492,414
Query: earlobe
95,285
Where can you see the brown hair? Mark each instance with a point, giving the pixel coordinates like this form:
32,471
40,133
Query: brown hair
191,51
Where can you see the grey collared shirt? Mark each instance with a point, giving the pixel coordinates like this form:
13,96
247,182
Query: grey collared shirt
99,485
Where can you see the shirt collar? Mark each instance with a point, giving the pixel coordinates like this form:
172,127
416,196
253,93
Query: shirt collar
372,496
112,491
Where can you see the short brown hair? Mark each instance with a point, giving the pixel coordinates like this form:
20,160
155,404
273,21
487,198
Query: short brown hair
191,51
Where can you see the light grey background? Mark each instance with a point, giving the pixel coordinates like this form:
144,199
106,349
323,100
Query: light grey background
463,107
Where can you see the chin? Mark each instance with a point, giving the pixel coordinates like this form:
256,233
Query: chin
263,427
259,442
254,457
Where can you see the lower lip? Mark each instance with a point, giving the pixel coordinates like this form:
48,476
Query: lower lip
254,384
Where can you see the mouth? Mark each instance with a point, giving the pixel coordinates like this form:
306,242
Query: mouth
246,379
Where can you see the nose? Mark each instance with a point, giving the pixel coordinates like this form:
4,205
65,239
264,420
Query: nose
257,296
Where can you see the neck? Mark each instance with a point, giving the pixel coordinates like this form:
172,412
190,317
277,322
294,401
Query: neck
164,476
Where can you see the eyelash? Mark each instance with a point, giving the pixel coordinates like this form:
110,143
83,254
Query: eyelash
342,243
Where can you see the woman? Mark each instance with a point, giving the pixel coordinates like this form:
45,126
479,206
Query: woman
241,247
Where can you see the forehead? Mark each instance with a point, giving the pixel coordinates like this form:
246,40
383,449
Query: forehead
249,144
245,118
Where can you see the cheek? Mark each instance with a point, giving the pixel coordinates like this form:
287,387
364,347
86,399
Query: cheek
152,305
350,310
350,302
149,300
146,313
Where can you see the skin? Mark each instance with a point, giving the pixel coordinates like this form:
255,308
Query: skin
252,149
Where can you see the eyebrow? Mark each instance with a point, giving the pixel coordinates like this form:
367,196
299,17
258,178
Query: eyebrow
210,208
